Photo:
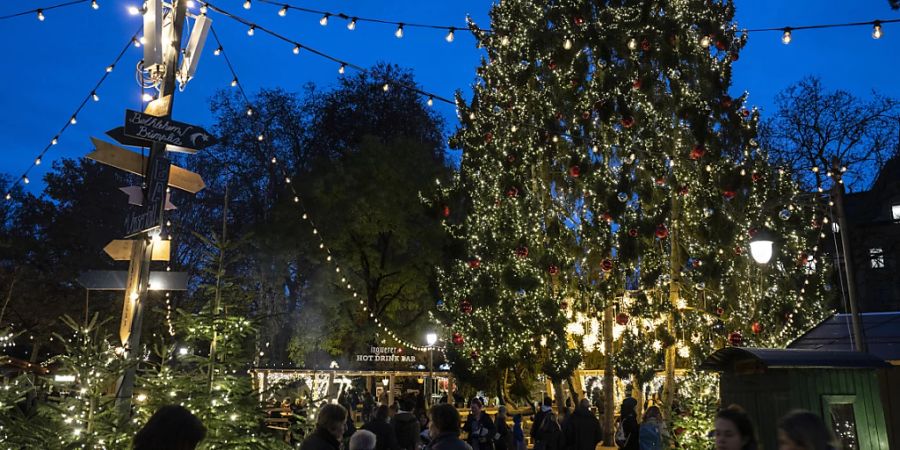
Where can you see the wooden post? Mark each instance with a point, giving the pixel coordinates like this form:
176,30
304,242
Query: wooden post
859,340
391,389
142,251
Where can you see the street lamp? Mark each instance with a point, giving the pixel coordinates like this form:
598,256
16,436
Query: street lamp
761,246
430,339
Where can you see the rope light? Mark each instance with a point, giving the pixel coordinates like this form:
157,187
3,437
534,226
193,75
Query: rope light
304,213
72,120
40,11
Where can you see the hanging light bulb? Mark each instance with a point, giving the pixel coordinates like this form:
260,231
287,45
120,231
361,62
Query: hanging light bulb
449,37
95,5
399,32
191,4
786,36
73,121
136,42
110,68
297,49
8,196
283,11
324,20
203,9
234,82
251,30
147,97
567,44
341,69
249,111
352,24
260,138
40,15
133,10
55,140
430,101
217,51
877,32
25,179
247,4
704,41
386,87
37,161
95,96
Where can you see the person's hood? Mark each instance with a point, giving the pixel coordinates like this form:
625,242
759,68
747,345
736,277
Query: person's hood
582,412
405,417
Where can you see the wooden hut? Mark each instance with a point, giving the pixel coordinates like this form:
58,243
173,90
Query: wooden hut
840,386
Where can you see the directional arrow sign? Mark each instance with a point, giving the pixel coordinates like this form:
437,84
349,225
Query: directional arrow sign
118,134
129,161
166,131
120,250
114,280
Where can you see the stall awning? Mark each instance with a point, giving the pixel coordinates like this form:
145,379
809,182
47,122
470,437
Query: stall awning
770,358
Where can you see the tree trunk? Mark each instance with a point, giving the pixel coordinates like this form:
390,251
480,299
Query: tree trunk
609,390
638,393
675,261
559,396
9,292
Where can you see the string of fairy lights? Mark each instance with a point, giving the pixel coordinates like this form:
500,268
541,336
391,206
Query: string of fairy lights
73,119
39,12
304,213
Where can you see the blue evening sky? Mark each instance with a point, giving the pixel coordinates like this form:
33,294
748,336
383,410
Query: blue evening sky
49,66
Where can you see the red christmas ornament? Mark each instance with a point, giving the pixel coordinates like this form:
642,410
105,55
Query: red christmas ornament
645,45
729,194
552,65
627,122
720,311
488,137
756,327
400,350
745,112
606,265
695,263
735,338
622,319
752,232
553,270
662,232
755,177
457,338
559,115
633,232
512,192
734,56
474,354
726,102
679,431
564,305
522,252
445,211
511,158
697,152
660,181
578,20
607,217
738,251
636,84
465,307
474,263
683,190
574,171
720,45
586,115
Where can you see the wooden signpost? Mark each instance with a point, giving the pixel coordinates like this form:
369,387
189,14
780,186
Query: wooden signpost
120,250
151,128
133,162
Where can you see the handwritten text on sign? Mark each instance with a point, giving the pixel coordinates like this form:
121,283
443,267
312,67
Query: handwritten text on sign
159,129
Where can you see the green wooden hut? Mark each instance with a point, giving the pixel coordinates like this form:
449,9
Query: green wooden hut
840,386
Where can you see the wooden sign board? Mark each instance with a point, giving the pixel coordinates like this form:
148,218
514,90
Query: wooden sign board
115,280
166,131
129,161
118,134
120,250
150,215
158,107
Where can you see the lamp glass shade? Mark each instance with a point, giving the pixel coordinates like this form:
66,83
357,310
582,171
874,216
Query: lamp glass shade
431,338
761,250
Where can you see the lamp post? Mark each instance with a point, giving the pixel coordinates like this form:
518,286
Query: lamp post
762,246
430,339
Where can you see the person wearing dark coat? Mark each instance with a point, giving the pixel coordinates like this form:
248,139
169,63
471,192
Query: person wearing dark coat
628,422
330,426
386,439
581,430
406,426
479,427
503,438
538,419
551,434
444,429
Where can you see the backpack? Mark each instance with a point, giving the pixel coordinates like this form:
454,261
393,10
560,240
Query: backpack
649,437
621,439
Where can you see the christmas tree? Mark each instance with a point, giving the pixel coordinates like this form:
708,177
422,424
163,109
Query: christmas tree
608,192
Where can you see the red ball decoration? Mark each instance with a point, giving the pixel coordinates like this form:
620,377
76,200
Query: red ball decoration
512,192
720,45
627,122
575,171
738,251
522,252
553,270
683,190
697,152
695,263
473,354
752,232
720,311
729,194
745,112
622,319
445,211
607,217
734,56
457,339
633,232
679,431
564,305
726,102
606,265
645,45
578,20
660,181
586,115
488,137
474,263
755,177
735,338
636,84
465,307
662,232
552,65
756,327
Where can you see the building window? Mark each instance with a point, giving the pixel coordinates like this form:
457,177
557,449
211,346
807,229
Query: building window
843,424
876,258
895,212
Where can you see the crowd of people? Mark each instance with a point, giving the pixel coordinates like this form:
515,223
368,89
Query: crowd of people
174,427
